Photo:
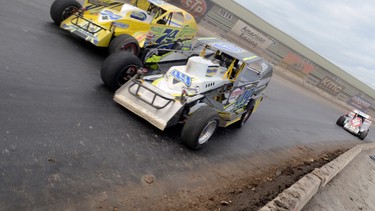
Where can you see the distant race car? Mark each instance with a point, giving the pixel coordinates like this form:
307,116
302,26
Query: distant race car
356,122
129,27
221,87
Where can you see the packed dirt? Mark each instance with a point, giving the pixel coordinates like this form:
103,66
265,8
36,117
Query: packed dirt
249,193
237,185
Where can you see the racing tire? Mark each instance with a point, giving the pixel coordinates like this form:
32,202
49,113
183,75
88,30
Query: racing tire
62,9
340,121
363,135
118,68
177,46
124,42
199,127
245,116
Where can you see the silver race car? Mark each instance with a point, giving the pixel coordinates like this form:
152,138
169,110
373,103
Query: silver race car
221,87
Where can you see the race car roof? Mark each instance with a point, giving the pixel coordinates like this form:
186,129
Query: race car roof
229,49
166,6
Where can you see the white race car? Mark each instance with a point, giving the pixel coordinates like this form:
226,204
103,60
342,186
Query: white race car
356,122
222,86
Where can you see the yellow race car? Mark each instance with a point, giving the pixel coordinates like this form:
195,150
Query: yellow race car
129,27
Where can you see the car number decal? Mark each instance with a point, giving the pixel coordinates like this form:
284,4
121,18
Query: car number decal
181,77
168,36
241,102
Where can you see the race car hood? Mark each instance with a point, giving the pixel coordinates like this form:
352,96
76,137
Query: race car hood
149,102
97,24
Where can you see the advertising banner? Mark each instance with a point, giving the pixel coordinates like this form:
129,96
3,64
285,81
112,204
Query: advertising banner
197,8
330,86
301,64
249,36
359,102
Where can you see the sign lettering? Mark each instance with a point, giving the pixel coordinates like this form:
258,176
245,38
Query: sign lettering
330,86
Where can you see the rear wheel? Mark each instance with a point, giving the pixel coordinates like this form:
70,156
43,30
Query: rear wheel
118,68
177,45
124,42
340,121
199,127
63,9
245,116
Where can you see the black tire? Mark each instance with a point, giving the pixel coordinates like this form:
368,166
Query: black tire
62,9
340,121
245,116
177,46
124,42
363,135
118,68
205,119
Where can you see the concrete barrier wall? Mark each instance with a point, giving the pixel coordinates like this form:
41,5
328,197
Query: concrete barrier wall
299,194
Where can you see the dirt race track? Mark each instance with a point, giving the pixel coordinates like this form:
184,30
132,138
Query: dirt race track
234,189
66,145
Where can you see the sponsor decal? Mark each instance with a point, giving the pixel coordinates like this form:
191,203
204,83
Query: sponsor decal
109,15
181,77
138,15
360,103
211,70
356,122
241,102
100,2
140,36
82,33
235,95
330,86
238,99
121,25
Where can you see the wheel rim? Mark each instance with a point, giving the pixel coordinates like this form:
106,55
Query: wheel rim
207,132
69,11
129,48
126,74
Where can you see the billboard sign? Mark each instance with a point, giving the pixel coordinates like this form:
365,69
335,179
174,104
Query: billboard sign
197,8
250,36
330,86
359,102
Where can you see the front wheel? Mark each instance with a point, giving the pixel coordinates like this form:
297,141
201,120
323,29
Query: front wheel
199,127
340,121
118,68
63,9
124,42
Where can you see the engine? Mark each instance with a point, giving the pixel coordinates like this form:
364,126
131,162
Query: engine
199,75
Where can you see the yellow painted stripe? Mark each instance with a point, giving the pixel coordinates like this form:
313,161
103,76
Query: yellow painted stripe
248,58
233,121
156,82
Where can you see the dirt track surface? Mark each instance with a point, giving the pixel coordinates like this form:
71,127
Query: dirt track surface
66,145
232,188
